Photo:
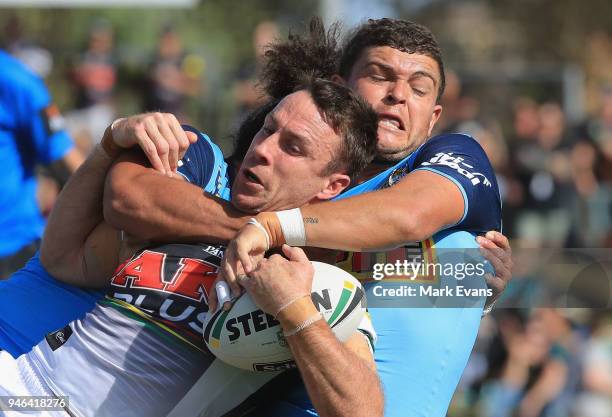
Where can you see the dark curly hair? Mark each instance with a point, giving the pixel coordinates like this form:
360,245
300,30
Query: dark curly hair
301,58
403,35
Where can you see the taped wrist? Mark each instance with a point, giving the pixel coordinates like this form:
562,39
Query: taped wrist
292,225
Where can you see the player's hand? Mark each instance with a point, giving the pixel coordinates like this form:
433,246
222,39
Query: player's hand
242,255
159,135
495,247
277,282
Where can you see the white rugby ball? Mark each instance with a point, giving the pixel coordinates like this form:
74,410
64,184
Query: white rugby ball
248,338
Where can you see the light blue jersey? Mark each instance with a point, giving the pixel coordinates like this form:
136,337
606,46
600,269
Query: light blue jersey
424,342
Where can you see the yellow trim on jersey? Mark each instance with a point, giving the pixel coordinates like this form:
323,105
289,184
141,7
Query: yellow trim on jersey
426,250
122,304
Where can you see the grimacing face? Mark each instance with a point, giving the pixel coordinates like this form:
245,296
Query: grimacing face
284,165
402,88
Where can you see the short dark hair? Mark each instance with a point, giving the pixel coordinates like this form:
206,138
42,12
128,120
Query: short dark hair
349,115
399,34
352,118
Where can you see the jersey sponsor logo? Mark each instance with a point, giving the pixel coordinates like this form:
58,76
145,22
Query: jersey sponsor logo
169,288
149,270
397,175
457,163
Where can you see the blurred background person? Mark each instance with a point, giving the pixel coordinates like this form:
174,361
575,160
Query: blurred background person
247,95
94,75
174,75
542,165
535,366
596,399
31,133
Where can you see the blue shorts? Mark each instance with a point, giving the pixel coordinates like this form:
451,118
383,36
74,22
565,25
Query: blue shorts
33,304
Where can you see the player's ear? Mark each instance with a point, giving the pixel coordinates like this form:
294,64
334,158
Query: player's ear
338,79
336,183
435,116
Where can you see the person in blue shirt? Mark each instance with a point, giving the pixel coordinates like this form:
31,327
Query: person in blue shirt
31,133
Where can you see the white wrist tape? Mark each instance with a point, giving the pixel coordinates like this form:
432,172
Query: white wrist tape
292,226
284,306
308,322
258,225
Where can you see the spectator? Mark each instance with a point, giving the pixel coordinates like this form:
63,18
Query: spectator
592,177
246,94
544,171
596,400
95,78
174,75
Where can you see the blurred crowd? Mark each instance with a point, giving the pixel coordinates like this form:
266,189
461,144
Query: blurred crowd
555,180
548,362
556,186
555,177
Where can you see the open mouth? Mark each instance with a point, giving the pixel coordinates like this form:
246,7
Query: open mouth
252,177
390,121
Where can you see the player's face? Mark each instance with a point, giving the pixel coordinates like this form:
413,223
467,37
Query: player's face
402,88
286,160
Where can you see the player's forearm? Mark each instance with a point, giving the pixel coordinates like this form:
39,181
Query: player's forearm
418,206
359,223
151,206
77,212
339,382
362,222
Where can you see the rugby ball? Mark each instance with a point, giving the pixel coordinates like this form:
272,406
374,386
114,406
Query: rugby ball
248,338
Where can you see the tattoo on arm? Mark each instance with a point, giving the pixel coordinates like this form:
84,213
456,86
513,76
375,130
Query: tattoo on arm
311,220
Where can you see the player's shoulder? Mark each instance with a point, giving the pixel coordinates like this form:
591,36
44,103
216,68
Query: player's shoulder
451,146
16,76
203,165
453,140
204,142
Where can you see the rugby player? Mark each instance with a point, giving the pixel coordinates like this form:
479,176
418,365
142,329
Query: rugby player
140,349
397,67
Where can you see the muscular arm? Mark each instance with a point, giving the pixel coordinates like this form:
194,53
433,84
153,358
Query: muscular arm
156,207
421,204
77,247
341,379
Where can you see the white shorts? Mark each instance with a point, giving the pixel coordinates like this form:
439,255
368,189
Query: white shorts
17,380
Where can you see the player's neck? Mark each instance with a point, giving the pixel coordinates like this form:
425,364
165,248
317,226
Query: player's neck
370,171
